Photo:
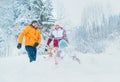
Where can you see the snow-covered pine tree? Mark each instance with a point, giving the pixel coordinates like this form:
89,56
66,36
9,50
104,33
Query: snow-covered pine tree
6,22
28,10
47,18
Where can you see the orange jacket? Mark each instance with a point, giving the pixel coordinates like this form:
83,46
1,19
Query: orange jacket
31,34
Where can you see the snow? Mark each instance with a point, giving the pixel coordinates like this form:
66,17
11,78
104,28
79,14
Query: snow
95,69
103,67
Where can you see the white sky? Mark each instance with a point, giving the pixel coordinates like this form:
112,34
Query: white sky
73,9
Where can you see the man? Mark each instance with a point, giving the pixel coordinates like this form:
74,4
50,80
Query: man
57,34
32,39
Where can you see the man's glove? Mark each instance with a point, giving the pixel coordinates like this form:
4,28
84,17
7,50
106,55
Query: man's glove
36,44
46,48
19,46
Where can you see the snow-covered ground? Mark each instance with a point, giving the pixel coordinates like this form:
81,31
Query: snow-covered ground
103,67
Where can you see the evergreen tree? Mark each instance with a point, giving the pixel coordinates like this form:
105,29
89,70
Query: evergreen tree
47,17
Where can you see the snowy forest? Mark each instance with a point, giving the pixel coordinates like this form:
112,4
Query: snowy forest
96,31
93,31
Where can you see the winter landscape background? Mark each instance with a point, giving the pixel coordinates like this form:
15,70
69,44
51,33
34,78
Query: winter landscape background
93,28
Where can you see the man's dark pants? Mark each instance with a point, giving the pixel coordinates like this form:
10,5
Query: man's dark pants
32,51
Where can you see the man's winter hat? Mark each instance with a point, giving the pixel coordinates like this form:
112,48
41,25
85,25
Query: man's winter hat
34,21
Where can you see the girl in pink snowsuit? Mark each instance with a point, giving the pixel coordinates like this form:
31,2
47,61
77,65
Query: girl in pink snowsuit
57,34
